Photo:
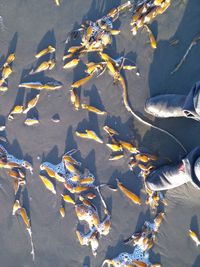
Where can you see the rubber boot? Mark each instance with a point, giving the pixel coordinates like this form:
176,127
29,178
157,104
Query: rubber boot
171,176
167,177
166,106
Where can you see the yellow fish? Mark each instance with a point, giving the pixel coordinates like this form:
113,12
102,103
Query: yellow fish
13,173
46,65
68,199
40,86
16,207
93,135
115,147
31,122
140,263
16,185
194,237
17,109
110,131
128,146
93,109
71,168
128,193
87,180
62,212
159,218
57,2
75,99
9,59
71,64
129,67
151,37
6,72
74,49
49,185
116,157
25,218
115,32
81,81
67,56
49,49
70,159
3,88
31,104
90,135
142,157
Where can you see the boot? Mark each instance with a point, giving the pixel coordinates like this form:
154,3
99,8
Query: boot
171,176
167,177
165,106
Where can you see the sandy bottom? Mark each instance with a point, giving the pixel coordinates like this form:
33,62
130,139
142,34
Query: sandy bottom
26,27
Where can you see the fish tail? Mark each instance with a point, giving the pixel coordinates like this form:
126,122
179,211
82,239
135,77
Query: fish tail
2,81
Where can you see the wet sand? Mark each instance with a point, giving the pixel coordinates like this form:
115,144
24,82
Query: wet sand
32,25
